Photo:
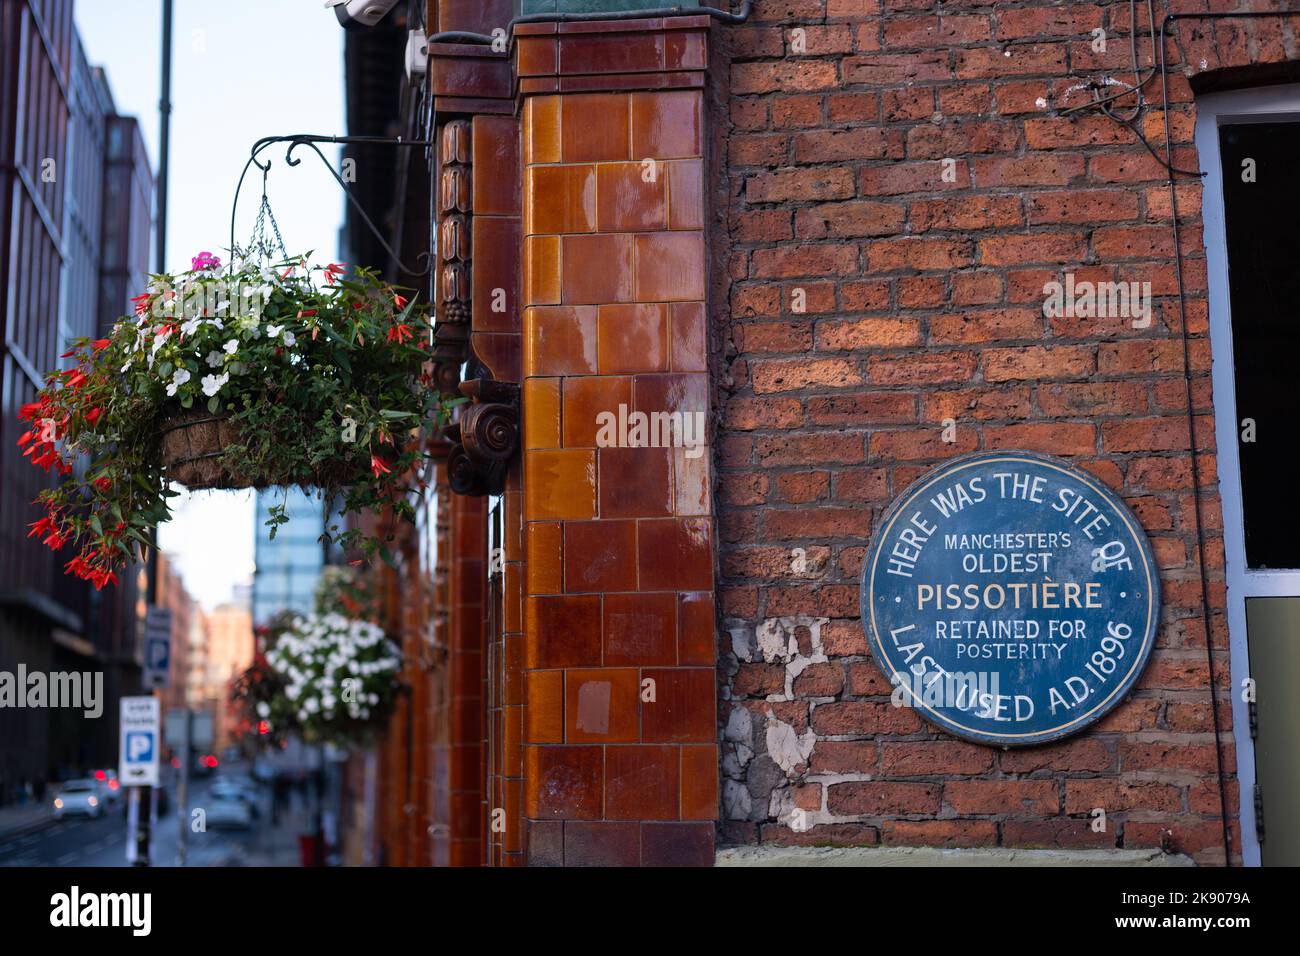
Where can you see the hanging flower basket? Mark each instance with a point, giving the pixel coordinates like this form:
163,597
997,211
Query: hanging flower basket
257,376
328,677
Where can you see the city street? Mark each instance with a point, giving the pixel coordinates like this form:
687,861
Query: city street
80,841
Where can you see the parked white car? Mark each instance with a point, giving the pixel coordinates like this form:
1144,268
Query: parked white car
228,814
80,797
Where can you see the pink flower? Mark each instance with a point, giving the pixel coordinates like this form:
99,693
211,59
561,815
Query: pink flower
205,262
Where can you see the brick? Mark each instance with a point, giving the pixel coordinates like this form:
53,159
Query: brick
864,717
907,253
792,185
792,375
1012,797
837,145
805,260
934,758
1039,362
943,833
873,798
922,368
849,220
985,325
868,333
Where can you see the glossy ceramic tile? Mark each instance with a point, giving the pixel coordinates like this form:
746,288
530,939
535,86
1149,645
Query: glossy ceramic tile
685,194
599,556
667,124
542,267
689,337
633,338
545,707
642,782
602,705
541,407
560,340
636,482
566,783
544,542
598,269
675,554
590,402
563,631
632,197
669,267
697,628
560,484
542,129
595,128
640,629
562,198
684,709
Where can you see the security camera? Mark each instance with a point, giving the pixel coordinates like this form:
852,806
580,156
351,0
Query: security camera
358,14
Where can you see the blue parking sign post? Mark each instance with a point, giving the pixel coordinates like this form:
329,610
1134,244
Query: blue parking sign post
138,750
138,747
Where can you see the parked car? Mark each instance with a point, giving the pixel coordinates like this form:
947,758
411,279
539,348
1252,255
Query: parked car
228,814
79,797
110,788
235,788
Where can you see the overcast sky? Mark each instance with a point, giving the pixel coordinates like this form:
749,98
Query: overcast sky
242,69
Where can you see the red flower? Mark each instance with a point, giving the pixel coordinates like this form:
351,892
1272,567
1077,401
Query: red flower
400,301
399,333
74,378
25,437
47,529
104,484
93,415
333,271
378,467
31,409
69,353
141,303
101,344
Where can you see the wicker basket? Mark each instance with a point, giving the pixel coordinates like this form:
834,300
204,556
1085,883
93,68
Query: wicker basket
193,446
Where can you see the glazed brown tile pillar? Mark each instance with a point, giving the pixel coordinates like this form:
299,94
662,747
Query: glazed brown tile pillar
620,754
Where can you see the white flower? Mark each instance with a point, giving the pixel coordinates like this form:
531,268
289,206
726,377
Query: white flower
290,339
273,330
181,376
212,383
215,359
232,346
190,326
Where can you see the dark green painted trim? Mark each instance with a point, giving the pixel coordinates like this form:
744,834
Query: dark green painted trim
526,7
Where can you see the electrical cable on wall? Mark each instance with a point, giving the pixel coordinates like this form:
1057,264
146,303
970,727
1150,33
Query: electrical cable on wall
1161,67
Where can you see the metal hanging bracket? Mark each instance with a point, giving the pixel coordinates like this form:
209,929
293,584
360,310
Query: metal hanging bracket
311,140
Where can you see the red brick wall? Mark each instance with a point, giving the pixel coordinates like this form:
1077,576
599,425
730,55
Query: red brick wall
924,303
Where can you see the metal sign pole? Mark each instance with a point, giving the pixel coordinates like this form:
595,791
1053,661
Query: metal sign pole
183,790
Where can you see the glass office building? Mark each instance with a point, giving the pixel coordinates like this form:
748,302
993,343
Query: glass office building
289,565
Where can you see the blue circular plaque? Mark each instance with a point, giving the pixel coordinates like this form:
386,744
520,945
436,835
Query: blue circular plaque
1011,598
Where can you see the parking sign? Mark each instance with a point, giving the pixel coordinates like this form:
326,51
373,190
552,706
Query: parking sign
157,647
138,750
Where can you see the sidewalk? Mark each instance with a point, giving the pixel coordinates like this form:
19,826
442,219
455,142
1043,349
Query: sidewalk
16,821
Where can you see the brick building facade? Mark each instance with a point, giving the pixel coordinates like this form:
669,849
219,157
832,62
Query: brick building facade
828,226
